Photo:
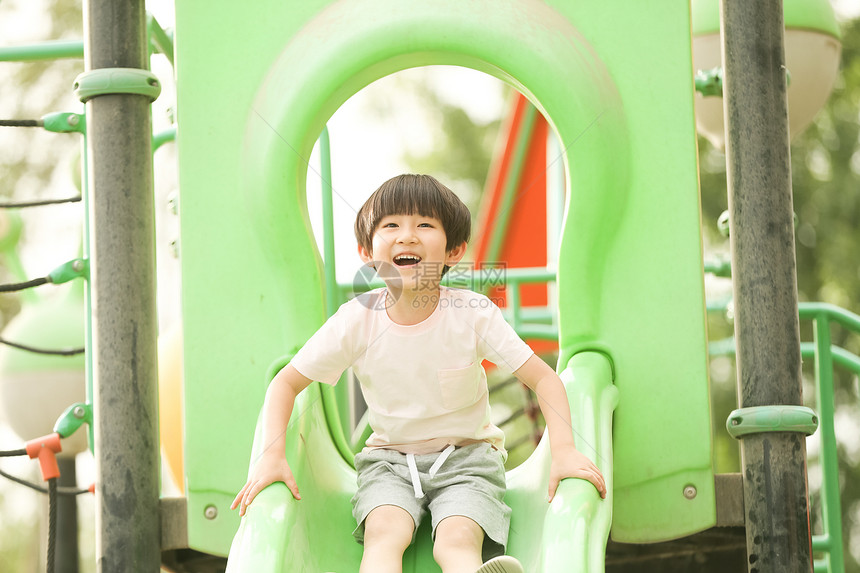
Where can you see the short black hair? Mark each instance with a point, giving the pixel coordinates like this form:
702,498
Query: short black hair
409,194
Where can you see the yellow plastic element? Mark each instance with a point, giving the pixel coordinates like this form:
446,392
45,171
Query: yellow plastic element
170,402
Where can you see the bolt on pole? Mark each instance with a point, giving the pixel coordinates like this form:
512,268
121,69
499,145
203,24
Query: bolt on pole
764,280
122,281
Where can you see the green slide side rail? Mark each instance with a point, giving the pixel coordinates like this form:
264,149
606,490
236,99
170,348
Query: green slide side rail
282,535
575,527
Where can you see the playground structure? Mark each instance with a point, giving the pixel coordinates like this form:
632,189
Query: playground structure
629,314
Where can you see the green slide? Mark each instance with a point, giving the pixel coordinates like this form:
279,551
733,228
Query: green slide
280,534
613,79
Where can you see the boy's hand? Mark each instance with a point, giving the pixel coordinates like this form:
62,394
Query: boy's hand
268,470
571,463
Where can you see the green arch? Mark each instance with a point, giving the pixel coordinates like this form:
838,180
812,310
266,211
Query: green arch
356,43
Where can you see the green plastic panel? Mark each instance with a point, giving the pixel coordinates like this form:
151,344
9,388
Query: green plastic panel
630,278
257,84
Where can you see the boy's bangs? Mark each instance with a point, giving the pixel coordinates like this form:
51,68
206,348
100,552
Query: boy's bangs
408,200
420,195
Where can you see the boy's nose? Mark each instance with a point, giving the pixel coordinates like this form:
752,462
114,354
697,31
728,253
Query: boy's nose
406,235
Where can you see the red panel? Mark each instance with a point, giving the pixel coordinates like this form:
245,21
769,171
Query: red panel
524,244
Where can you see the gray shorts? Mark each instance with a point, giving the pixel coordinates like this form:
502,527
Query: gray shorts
470,483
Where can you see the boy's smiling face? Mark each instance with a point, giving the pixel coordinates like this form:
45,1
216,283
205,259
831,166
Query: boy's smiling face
416,246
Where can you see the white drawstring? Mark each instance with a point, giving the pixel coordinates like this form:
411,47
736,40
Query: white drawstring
440,460
413,469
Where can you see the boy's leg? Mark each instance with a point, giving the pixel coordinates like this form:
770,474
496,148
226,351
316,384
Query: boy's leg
385,508
458,544
471,485
387,534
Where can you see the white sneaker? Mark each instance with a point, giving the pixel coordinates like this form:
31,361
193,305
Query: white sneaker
503,564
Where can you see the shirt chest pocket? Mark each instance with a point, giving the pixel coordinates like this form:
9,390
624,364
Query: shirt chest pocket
460,387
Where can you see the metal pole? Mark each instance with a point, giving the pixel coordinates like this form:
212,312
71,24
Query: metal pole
122,282
765,280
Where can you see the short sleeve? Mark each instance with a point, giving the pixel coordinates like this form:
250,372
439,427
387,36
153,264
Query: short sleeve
499,343
330,351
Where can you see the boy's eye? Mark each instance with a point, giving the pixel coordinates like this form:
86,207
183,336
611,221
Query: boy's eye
425,225
389,225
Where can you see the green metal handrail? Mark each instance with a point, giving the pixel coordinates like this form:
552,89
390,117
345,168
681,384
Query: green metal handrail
825,355
51,50
830,543
529,322
74,49
162,137
159,39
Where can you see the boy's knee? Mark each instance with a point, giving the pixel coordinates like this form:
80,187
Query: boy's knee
390,525
457,534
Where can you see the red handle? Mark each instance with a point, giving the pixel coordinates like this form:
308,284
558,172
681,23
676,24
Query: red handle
46,449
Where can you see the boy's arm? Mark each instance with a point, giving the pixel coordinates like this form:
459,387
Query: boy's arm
567,461
272,465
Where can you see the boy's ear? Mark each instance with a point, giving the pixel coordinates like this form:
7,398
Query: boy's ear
455,254
364,255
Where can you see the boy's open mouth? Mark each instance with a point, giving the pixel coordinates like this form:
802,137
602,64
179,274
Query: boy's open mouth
406,260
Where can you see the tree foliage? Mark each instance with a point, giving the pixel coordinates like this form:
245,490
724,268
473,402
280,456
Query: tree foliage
462,148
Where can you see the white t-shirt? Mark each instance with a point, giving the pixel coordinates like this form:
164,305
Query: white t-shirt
423,383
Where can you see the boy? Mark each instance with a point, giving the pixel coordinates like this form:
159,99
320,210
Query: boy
417,348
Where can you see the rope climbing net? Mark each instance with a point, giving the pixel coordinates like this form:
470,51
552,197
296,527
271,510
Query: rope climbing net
44,449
